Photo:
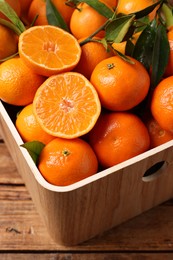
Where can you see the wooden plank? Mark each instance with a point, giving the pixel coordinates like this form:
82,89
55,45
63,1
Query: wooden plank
21,228
90,256
8,171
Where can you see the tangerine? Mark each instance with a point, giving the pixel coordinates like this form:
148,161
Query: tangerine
120,84
8,43
157,134
67,105
162,104
49,50
92,53
63,162
28,127
85,20
118,136
18,83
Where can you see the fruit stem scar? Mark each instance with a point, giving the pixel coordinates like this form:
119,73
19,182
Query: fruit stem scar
110,66
65,152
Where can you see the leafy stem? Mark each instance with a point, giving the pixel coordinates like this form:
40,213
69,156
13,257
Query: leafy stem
90,38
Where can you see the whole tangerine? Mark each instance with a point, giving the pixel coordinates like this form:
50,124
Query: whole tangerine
85,20
18,83
118,136
63,162
162,103
29,128
120,84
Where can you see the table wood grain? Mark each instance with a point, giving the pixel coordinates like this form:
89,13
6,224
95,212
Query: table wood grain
24,236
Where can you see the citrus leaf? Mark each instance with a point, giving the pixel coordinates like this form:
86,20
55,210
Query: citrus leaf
117,29
147,10
167,12
54,17
34,149
8,11
160,55
10,26
129,48
144,46
100,7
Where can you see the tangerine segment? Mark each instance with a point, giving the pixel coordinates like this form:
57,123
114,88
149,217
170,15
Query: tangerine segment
67,105
49,50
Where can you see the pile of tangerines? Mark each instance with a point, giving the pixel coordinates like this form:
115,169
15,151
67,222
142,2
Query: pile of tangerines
89,104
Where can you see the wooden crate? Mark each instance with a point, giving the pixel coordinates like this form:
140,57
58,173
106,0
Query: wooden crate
78,212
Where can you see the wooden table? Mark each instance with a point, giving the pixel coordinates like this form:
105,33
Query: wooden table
24,236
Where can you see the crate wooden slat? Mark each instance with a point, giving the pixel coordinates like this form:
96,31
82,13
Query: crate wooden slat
83,210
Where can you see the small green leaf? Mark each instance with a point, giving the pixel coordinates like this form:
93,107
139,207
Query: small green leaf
100,7
129,48
147,10
117,29
144,46
160,55
34,149
8,11
54,17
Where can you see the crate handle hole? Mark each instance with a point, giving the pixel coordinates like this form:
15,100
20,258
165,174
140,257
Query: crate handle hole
154,171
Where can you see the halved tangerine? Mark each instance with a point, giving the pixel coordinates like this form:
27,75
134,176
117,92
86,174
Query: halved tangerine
67,105
49,50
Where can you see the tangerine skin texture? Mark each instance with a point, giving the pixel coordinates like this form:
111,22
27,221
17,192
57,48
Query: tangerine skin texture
162,104
118,136
120,85
85,21
63,162
29,128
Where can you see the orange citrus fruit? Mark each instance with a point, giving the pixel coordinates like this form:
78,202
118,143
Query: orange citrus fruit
111,3
118,136
49,50
67,105
132,6
169,68
157,134
18,83
28,127
37,8
120,85
63,162
85,20
25,5
162,104
8,43
92,54
65,10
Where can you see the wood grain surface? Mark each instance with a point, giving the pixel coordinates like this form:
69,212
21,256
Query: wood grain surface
24,236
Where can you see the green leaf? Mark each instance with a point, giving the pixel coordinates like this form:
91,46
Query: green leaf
34,148
147,10
160,55
8,11
129,48
144,46
100,7
54,17
117,29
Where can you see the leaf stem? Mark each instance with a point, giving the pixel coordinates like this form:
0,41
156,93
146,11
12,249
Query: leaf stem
89,38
